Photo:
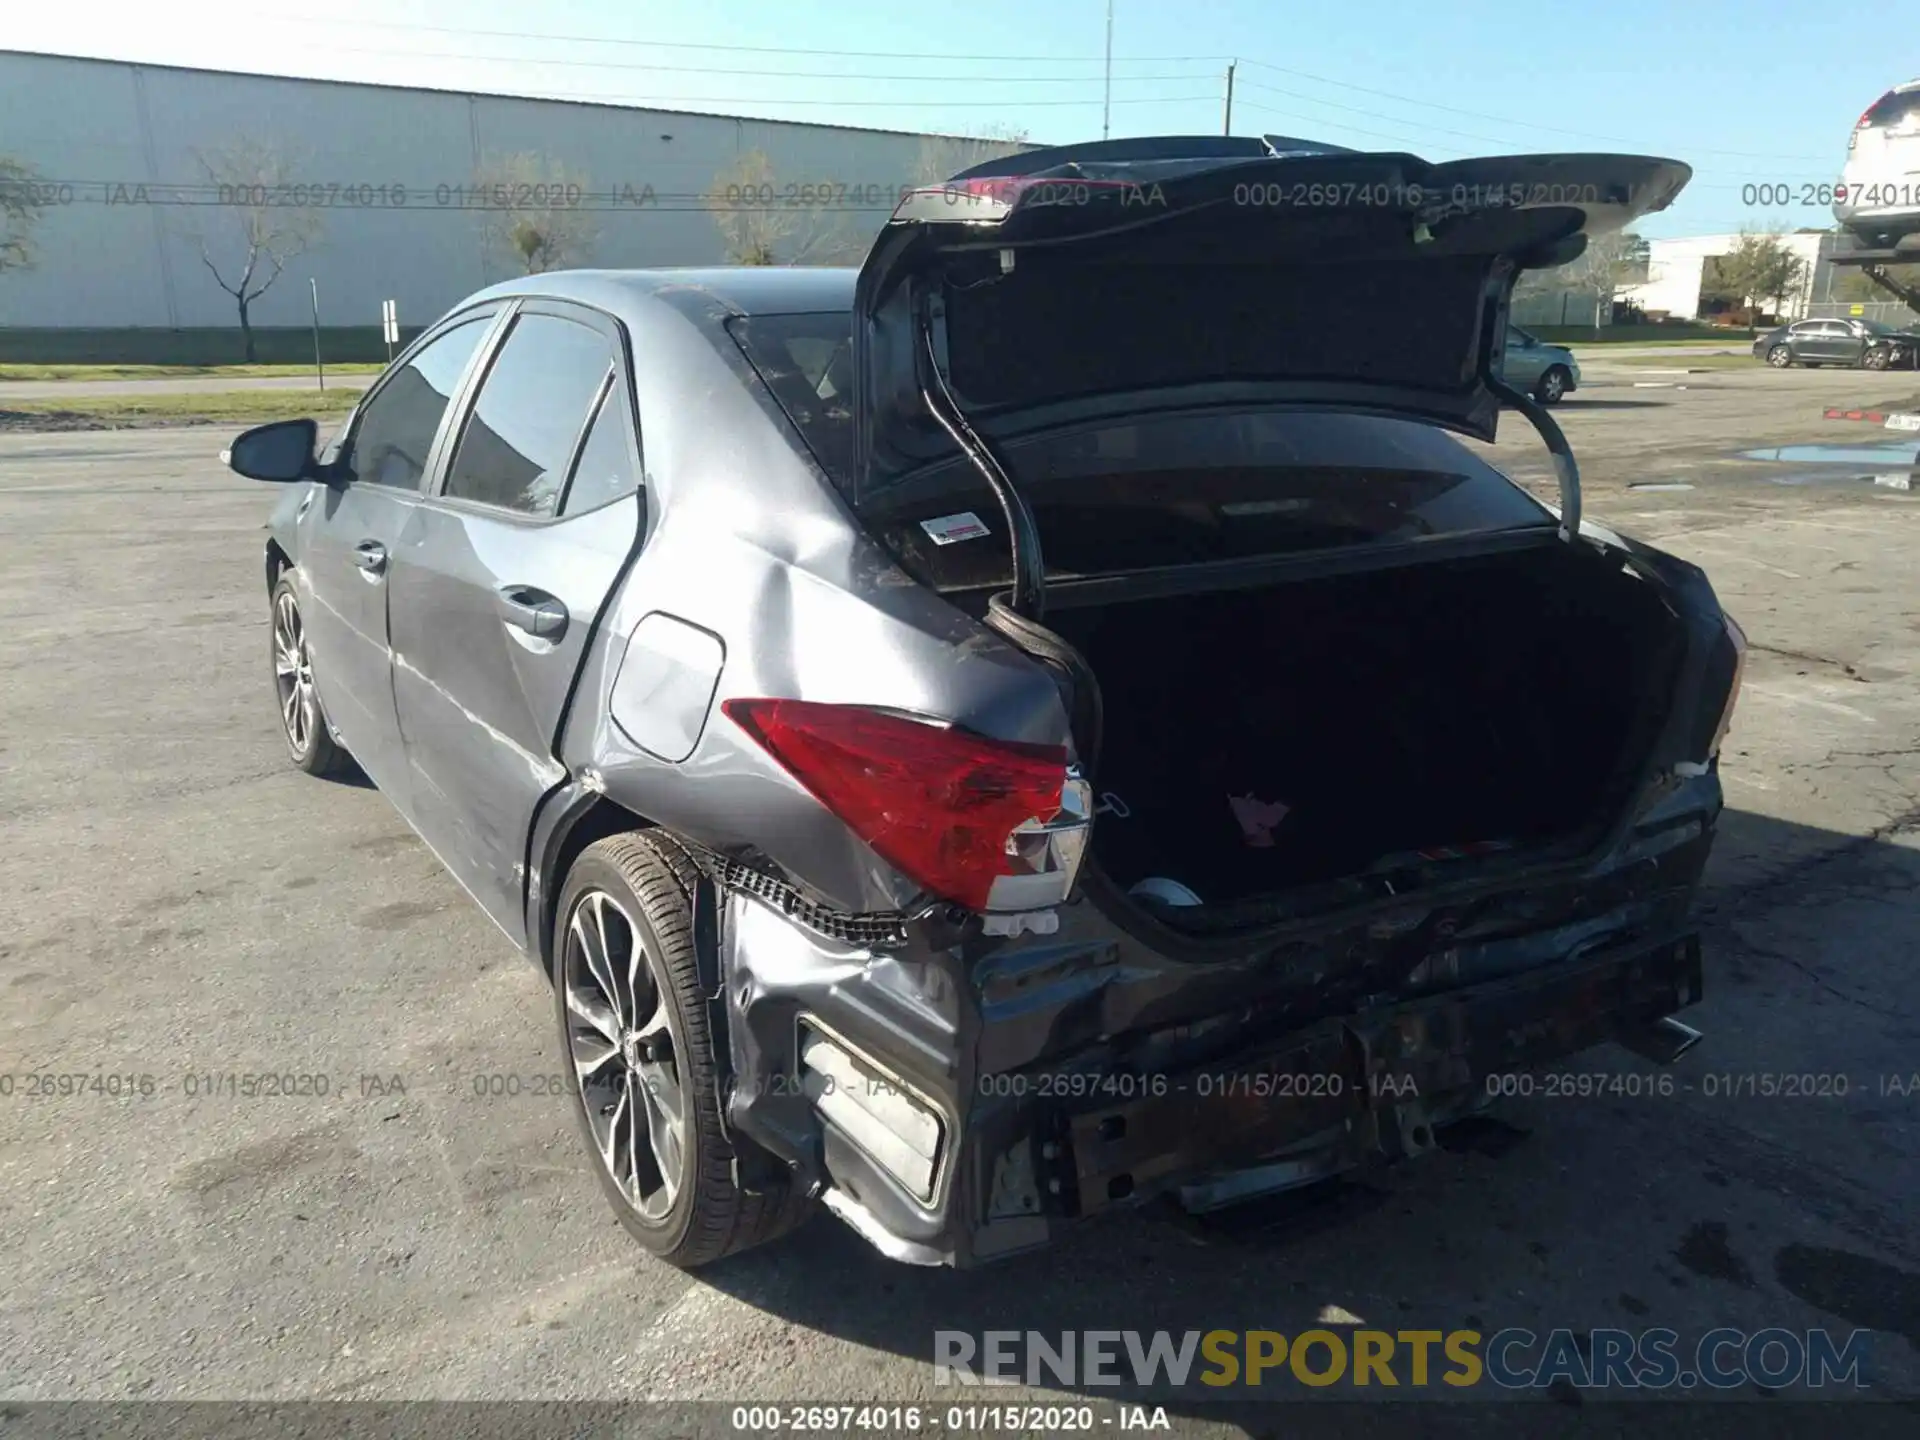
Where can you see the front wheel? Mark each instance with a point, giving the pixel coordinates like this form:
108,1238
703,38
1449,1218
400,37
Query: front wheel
635,1038
1779,357
1552,386
1877,360
302,722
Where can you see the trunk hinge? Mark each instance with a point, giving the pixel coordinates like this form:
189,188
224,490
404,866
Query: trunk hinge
1023,534
1564,467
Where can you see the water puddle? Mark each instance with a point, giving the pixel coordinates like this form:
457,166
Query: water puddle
1660,485
1887,479
1836,454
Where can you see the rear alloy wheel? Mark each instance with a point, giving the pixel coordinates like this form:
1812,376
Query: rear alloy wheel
633,1029
302,721
1780,357
1552,386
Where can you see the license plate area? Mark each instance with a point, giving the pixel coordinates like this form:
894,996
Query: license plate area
1350,1075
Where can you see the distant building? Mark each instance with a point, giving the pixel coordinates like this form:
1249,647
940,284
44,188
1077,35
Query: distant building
1679,271
386,176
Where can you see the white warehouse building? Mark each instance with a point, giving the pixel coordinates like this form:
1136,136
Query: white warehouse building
131,161
1677,273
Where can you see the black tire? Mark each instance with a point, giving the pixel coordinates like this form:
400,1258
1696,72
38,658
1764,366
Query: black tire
303,722
1551,388
1780,357
1877,360
651,880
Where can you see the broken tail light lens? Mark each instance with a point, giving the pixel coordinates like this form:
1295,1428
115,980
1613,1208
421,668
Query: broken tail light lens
988,824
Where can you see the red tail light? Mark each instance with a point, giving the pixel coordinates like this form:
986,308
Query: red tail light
1866,115
947,809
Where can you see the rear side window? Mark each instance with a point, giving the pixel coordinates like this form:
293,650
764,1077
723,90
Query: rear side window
396,427
514,450
807,362
605,470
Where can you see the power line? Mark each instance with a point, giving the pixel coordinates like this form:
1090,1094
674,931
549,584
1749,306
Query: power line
1034,59
1399,140
723,70
1505,120
602,40
667,102
1356,110
744,49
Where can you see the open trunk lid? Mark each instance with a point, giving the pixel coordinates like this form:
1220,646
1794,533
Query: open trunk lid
1059,286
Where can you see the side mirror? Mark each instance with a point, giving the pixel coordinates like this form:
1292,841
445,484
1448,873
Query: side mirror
282,451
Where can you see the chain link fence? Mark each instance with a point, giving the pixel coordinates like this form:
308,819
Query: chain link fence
1887,312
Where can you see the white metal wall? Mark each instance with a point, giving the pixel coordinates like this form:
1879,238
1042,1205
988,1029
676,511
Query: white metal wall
114,254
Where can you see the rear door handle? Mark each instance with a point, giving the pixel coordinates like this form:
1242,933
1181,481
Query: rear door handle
371,556
534,611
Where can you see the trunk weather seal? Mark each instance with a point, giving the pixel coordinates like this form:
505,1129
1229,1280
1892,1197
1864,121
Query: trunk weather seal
1023,533
1253,571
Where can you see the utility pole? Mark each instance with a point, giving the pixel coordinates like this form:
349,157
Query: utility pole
1226,125
1106,104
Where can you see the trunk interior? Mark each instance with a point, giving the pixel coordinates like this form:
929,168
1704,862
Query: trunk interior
1263,739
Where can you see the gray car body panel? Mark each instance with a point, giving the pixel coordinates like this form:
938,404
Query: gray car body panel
746,541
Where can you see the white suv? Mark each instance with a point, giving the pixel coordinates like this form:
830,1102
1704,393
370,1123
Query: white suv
1881,203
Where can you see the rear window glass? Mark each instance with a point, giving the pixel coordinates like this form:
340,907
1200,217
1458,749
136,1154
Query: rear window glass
1154,491
1891,109
1178,490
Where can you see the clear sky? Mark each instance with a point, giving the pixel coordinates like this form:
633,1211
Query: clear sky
1747,91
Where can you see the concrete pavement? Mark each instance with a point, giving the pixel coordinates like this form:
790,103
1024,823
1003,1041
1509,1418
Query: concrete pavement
409,1217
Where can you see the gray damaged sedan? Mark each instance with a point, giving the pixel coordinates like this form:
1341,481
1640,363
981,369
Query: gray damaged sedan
1044,721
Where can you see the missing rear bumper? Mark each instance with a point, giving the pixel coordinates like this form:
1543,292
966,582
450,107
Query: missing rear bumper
1370,1086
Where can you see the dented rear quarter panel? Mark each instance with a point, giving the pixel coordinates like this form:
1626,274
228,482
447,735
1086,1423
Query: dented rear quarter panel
749,542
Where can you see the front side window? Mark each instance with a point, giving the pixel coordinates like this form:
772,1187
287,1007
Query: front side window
514,449
395,430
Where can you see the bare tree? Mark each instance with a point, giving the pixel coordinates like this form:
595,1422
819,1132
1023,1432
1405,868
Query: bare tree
20,207
1608,262
534,212
763,222
944,156
265,220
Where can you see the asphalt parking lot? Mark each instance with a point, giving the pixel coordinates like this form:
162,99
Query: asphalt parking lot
176,902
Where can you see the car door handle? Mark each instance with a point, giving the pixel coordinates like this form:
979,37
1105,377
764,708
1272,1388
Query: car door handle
534,611
371,556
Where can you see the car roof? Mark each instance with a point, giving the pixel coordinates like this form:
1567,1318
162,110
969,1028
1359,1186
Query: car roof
727,289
